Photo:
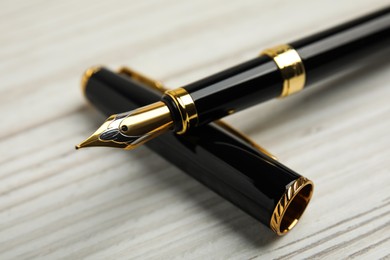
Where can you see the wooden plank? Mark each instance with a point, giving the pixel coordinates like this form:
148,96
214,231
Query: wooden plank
110,204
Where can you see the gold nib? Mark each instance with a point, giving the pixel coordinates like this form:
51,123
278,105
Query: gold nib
94,139
131,129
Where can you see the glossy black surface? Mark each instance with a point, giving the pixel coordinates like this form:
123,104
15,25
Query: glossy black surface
236,88
330,52
324,54
220,160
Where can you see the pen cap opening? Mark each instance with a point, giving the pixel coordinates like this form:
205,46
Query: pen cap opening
291,206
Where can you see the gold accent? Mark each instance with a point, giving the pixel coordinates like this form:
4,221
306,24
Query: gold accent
87,75
186,106
138,126
147,122
130,130
291,206
142,78
94,139
291,66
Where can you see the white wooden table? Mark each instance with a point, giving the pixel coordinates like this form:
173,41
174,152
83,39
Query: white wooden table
56,202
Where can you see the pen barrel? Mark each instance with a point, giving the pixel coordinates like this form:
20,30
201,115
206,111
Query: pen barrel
215,155
263,78
350,44
235,89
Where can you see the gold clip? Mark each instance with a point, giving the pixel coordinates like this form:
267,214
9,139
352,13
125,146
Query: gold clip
142,78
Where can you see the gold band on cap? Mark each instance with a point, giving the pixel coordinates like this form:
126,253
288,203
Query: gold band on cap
187,108
291,206
290,65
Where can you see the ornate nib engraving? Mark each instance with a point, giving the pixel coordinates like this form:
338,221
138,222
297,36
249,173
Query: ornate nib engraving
109,135
131,129
113,134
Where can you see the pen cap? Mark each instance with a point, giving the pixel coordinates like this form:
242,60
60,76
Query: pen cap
215,154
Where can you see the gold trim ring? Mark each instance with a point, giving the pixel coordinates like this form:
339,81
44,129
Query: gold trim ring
187,108
291,206
291,67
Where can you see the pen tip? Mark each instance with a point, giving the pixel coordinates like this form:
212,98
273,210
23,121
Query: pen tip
95,140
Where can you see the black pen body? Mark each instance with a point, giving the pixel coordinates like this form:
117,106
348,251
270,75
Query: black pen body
236,88
262,78
332,51
215,155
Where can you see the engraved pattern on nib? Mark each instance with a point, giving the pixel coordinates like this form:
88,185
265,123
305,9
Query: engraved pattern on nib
113,134
283,204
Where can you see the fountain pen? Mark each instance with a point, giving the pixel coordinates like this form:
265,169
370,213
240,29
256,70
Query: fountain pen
277,72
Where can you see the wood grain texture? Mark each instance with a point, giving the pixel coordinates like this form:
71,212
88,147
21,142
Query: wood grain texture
57,203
